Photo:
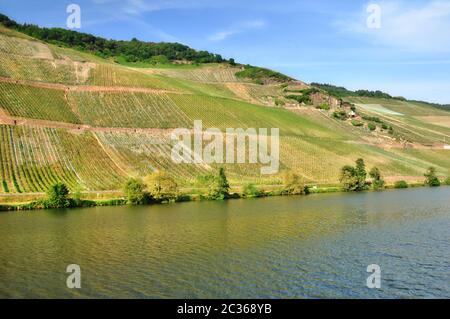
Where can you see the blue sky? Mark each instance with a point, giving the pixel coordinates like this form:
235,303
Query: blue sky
324,41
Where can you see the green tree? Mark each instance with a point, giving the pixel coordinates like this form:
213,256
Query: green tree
219,188
161,186
294,184
348,178
134,190
377,180
430,177
58,196
132,51
361,174
354,178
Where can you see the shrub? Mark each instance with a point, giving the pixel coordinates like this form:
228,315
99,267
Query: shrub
161,186
340,115
401,184
430,177
323,106
134,190
348,178
377,180
372,119
250,191
447,181
294,185
372,126
57,196
357,123
306,99
219,188
354,178
361,170
258,74
279,102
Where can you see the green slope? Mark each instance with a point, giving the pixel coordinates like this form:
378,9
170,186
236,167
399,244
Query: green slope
128,110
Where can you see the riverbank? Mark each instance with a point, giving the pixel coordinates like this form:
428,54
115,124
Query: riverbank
117,198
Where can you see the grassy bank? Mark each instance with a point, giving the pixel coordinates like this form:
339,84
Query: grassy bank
161,188
120,199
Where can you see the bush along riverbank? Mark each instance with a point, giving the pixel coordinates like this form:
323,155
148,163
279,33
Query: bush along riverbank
161,188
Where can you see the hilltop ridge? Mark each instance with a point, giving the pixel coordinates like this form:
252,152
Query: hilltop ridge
129,51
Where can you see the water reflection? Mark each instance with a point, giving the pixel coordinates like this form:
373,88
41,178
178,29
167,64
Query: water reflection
316,246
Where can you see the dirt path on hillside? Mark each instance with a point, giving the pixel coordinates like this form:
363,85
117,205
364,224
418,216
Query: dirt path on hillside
112,157
75,128
6,119
88,88
81,128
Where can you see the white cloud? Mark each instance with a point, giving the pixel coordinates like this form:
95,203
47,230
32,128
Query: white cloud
236,29
131,11
418,28
138,7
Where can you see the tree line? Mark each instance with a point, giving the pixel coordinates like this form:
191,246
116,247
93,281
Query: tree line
160,187
132,51
340,92
354,178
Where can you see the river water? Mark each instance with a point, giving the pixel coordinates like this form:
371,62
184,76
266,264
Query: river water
317,246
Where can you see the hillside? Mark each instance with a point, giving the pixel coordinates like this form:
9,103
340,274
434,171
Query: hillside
68,115
123,51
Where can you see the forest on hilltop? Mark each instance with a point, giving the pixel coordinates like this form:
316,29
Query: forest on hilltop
132,51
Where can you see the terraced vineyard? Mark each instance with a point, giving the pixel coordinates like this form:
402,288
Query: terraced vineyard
217,74
210,89
407,118
114,122
140,110
34,158
36,102
320,160
95,167
110,75
143,153
224,113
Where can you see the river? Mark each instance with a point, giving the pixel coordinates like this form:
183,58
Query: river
318,246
